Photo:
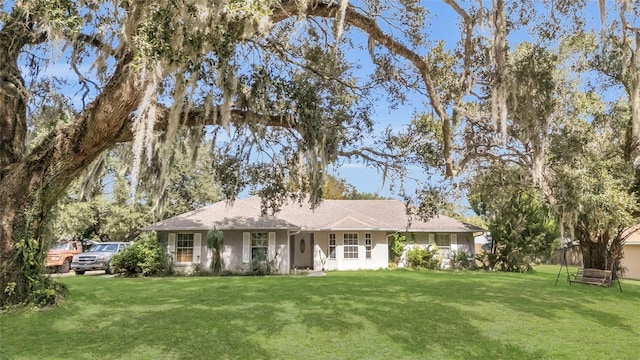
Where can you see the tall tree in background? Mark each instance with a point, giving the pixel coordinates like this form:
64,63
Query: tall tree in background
522,225
577,146
107,207
338,189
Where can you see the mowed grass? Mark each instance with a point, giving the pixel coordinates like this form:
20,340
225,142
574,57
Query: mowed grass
344,315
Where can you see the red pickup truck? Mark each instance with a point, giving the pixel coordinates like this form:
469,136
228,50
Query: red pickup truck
60,255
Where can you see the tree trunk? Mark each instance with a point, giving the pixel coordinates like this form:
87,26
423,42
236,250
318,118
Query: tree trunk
31,184
634,97
601,251
594,254
14,191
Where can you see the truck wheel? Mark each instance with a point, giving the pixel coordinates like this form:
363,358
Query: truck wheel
79,272
107,271
65,267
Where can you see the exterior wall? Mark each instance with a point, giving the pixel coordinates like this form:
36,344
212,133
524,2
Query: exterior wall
232,251
379,251
463,242
631,260
316,254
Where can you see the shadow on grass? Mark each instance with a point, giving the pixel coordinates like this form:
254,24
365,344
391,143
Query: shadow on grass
359,315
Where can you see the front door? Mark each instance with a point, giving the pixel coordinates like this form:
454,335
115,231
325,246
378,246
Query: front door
302,250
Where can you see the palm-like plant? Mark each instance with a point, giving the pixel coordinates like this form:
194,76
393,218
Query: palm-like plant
214,242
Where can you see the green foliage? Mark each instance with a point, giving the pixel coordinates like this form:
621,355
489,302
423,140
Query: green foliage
335,188
460,261
505,259
423,258
396,247
595,185
34,288
145,257
521,224
103,205
268,58
199,270
215,239
356,195
261,267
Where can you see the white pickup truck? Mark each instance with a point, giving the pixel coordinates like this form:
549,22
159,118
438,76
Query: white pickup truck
97,258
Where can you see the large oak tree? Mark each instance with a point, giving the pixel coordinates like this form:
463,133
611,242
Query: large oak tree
271,82
270,76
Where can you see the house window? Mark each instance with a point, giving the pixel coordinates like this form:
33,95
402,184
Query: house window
367,245
259,245
332,246
442,240
465,249
350,246
184,248
444,244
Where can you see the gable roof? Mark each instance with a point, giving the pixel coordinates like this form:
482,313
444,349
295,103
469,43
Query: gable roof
337,215
633,233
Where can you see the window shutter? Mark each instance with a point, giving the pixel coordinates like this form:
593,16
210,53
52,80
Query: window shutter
454,242
432,239
197,242
171,246
246,247
271,251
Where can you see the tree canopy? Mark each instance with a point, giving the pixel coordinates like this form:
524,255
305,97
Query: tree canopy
275,87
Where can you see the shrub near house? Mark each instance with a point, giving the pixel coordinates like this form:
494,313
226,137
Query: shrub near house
144,257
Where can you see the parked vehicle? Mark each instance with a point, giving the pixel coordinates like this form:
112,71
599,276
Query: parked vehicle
60,255
98,257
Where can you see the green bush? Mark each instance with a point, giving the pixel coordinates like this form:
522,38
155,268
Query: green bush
29,286
396,247
460,260
423,258
261,267
145,257
200,270
505,259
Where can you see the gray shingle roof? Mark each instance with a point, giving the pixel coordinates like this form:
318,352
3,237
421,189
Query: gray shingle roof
381,215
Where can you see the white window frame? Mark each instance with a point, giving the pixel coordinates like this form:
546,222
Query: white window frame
180,237
332,246
260,240
351,244
445,250
367,246
442,239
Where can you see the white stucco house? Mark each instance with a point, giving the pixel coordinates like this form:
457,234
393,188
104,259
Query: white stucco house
338,235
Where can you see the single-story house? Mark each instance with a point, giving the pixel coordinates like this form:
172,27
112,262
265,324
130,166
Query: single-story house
631,254
337,235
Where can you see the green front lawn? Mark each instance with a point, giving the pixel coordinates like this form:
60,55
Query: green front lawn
344,315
